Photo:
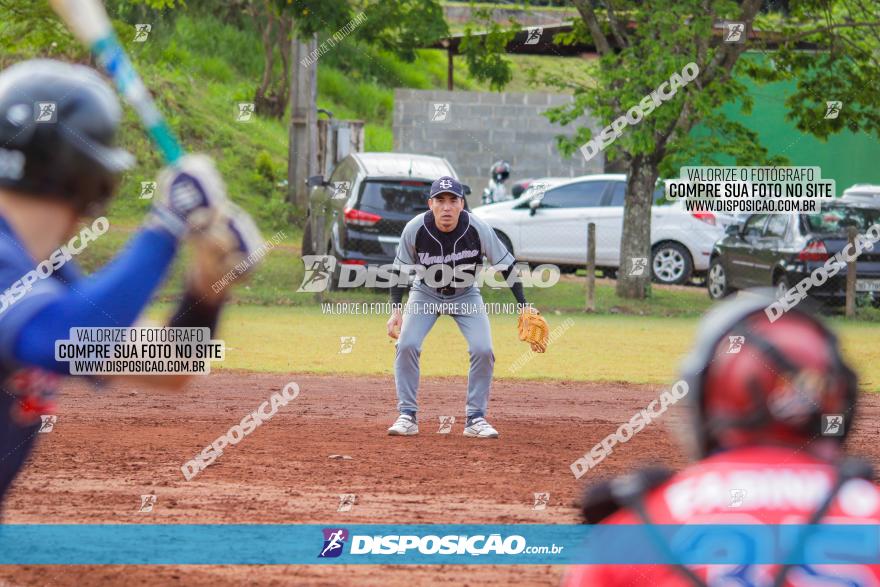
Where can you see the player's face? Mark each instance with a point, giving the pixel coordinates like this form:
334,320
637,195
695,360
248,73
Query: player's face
446,209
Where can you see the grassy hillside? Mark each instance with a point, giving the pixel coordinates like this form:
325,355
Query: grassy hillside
200,68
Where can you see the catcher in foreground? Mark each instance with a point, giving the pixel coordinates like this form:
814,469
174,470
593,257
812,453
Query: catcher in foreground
55,176
448,235
766,426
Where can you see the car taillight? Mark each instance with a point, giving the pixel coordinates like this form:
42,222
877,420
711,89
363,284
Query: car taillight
814,251
353,262
359,217
707,217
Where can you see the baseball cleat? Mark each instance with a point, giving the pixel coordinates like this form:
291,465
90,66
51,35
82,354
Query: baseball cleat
404,426
479,428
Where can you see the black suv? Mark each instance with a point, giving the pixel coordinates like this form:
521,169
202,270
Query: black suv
780,250
358,214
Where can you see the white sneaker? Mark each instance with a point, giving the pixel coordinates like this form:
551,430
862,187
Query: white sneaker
404,426
479,428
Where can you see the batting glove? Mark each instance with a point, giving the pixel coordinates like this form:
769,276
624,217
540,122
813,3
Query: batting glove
191,196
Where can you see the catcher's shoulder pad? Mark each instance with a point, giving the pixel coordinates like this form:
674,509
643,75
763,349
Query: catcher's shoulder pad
603,499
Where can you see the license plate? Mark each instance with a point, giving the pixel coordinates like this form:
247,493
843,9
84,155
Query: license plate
867,284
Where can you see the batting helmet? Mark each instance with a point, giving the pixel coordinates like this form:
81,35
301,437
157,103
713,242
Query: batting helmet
753,381
58,122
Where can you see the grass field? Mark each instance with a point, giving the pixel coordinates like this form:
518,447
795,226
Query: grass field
635,341
618,348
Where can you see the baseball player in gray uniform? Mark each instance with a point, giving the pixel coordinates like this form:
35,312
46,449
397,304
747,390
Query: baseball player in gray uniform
446,235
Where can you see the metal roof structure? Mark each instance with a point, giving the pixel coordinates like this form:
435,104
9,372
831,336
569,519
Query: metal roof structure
529,42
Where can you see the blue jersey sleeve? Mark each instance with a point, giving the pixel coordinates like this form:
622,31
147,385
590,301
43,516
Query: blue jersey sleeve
113,296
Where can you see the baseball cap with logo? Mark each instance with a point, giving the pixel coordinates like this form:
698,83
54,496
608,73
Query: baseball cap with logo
446,185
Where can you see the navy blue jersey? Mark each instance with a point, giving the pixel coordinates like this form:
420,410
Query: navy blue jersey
422,243
40,301
26,391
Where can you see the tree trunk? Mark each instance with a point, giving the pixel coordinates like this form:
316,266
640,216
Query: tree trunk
261,103
283,91
635,241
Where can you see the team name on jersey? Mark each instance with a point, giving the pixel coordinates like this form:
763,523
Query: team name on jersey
428,259
763,489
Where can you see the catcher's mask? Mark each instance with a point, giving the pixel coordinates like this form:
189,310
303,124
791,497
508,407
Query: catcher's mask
752,381
58,122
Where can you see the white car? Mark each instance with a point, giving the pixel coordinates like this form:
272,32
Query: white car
553,228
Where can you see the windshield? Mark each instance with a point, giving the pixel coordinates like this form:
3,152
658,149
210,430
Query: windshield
396,196
836,219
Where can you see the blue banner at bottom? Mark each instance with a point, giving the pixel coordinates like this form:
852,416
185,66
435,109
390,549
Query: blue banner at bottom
426,544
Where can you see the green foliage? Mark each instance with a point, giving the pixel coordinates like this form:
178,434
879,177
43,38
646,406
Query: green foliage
216,69
659,46
845,69
174,53
32,26
378,138
403,26
162,4
367,100
485,54
315,16
266,166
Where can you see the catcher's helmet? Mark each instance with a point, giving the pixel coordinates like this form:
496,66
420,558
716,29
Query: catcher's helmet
752,381
501,171
58,122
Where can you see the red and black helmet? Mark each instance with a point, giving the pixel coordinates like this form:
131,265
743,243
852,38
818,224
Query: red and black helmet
753,381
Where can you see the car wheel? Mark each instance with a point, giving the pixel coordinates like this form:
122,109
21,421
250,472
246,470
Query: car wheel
307,248
671,264
716,280
505,241
781,286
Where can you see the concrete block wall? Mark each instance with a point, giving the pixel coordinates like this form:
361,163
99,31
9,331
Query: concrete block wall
481,127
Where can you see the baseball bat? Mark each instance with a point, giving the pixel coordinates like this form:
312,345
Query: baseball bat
88,21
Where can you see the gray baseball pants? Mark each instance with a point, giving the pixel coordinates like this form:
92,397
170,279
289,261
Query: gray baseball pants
420,313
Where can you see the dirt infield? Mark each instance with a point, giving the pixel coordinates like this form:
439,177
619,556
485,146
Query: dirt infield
110,447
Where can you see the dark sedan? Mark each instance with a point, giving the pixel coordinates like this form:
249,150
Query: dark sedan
779,250
358,214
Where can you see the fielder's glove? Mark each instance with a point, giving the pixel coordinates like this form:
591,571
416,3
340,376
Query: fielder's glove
533,329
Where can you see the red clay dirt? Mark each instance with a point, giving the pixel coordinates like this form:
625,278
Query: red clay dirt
110,447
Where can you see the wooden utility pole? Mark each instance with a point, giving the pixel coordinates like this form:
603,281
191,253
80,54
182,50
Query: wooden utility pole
302,151
851,275
591,268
